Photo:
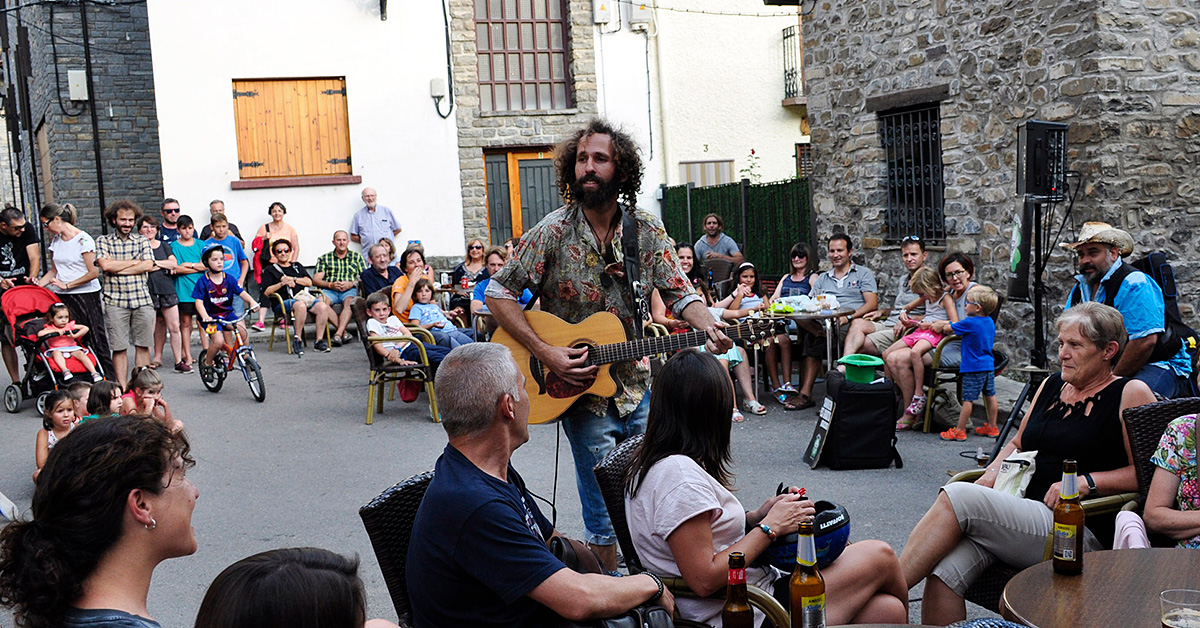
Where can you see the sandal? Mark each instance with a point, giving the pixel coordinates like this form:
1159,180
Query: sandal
803,402
755,407
738,417
903,425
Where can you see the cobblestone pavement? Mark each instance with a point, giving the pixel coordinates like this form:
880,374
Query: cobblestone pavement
294,470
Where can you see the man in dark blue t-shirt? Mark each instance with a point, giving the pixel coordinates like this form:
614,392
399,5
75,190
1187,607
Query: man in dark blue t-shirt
478,554
380,274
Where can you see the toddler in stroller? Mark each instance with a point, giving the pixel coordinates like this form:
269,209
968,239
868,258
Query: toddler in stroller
26,312
61,334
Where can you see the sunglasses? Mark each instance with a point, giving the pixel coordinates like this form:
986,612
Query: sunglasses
911,238
278,251
475,247
800,256
171,211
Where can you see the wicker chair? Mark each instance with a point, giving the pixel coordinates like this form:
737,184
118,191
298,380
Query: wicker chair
1145,426
389,522
384,373
610,474
720,277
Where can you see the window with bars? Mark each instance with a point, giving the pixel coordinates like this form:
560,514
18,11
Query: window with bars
912,142
523,50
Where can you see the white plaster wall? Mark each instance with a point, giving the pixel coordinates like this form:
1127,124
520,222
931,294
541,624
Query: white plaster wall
400,146
722,82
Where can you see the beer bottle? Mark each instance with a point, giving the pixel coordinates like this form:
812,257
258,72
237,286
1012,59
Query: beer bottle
737,612
807,585
1068,524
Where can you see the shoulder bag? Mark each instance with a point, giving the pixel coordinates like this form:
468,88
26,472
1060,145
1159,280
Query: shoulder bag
264,252
580,558
1016,472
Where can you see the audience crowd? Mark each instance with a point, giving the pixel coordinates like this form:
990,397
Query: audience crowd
113,500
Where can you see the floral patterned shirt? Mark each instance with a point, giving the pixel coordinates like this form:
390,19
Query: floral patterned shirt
562,255
1177,453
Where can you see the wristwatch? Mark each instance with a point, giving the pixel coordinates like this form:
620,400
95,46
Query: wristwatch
1092,492
767,530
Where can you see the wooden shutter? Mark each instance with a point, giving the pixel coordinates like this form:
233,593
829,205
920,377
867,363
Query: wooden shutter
292,127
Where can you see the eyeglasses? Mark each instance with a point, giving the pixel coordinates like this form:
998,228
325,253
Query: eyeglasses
971,303
957,273
475,246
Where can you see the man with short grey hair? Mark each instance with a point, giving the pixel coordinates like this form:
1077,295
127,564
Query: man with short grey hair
373,222
217,206
478,534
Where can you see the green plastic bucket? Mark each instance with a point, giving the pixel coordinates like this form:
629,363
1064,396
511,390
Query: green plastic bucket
860,368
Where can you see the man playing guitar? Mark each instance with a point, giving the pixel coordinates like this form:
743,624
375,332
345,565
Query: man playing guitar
575,256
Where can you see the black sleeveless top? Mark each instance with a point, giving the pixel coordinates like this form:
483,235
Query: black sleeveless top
1090,435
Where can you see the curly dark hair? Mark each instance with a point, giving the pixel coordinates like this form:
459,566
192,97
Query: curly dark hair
110,214
627,160
78,511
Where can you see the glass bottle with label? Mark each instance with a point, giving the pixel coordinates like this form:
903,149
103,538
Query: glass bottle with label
737,612
807,585
1068,524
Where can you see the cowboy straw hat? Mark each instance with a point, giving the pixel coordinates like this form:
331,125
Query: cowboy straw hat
1102,233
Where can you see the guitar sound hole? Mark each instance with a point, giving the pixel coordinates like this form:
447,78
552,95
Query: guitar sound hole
559,388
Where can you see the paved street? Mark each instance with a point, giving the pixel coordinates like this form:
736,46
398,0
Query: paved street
293,471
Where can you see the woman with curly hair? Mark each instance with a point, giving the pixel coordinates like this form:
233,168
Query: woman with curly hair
112,502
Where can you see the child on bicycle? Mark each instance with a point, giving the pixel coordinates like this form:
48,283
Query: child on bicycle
63,336
214,294
429,315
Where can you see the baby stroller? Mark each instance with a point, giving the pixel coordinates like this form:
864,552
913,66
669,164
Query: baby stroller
25,309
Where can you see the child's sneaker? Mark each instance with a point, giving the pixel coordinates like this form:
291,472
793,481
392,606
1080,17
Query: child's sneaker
916,407
258,326
96,377
954,434
67,376
991,431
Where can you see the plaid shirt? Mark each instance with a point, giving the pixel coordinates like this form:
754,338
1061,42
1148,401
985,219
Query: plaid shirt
125,291
345,269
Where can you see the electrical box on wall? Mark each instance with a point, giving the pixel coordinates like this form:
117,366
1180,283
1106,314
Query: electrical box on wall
603,13
640,16
77,84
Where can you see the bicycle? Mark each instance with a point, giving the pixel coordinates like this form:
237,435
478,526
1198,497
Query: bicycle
240,354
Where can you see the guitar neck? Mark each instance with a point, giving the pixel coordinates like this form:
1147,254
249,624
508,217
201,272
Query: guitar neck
634,349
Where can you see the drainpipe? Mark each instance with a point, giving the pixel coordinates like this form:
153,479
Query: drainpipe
87,57
662,100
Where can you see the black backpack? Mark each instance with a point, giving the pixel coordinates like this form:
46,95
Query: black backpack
1176,333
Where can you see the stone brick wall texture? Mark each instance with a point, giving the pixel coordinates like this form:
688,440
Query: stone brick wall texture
127,117
1124,75
478,131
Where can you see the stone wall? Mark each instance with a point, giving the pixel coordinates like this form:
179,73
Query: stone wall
127,118
478,130
1124,76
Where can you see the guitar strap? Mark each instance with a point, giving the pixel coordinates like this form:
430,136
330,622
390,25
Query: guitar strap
633,269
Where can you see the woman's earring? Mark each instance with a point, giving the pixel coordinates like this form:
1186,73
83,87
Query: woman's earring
152,525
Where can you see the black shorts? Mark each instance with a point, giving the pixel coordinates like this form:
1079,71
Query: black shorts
162,301
187,308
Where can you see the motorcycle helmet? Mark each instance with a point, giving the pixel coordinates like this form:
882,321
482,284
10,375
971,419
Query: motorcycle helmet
831,533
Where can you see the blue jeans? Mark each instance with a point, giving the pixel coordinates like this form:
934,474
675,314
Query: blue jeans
592,438
1164,381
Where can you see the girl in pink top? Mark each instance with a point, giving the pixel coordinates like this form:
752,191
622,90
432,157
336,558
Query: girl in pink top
63,337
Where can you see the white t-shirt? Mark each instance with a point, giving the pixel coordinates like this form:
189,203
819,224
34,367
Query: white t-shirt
675,490
69,264
393,327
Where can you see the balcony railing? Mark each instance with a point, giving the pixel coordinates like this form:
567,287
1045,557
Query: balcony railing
793,77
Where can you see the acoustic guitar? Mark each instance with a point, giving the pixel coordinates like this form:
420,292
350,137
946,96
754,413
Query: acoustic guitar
604,337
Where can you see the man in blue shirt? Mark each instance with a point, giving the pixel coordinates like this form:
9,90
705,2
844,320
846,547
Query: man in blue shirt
380,275
236,262
478,554
1139,300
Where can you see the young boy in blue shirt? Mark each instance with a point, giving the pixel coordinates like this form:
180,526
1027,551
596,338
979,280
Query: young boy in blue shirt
978,367
236,261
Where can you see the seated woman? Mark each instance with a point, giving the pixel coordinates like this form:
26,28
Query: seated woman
733,360
795,284
291,281
1173,505
684,520
299,586
1075,414
112,503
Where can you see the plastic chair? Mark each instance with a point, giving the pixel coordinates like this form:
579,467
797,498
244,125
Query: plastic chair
610,475
383,373
389,523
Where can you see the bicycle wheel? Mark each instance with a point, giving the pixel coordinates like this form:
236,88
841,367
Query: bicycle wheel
213,376
254,378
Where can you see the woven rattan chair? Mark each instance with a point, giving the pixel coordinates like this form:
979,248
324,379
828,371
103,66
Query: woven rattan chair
383,373
389,523
1145,426
610,474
